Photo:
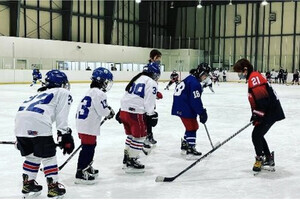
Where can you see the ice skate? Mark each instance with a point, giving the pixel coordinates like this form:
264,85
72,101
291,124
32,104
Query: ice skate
192,153
30,188
258,164
56,190
84,177
134,166
184,146
150,140
92,171
146,148
269,163
125,159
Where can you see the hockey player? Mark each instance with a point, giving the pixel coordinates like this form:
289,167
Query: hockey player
187,104
33,129
90,111
295,77
266,110
155,57
216,75
207,82
138,110
36,75
174,79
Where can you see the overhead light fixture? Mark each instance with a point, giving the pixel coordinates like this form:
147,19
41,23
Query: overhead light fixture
172,5
138,1
199,4
264,3
230,2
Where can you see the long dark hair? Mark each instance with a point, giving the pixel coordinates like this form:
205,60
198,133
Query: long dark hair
135,78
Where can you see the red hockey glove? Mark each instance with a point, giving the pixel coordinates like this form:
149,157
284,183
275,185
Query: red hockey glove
159,95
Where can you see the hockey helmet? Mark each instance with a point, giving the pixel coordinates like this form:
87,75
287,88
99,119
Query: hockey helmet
153,70
202,69
103,77
56,78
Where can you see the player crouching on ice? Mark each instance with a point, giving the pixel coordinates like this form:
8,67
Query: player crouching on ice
187,104
90,111
138,110
266,110
33,129
36,75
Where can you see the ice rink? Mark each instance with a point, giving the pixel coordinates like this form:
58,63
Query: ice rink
225,174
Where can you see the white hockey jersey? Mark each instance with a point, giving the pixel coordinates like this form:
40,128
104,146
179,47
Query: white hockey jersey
206,81
90,111
141,97
37,114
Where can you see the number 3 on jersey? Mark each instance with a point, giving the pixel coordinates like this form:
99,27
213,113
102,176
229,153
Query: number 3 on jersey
86,102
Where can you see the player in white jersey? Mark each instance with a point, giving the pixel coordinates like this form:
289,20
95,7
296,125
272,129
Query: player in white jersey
138,110
33,129
90,111
207,82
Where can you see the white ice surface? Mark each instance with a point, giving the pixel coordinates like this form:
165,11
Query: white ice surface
225,174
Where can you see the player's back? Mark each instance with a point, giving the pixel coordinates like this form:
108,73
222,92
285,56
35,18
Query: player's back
90,111
141,96
36,115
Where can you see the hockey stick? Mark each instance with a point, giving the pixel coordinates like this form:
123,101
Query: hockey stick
170,179
7,142
71,156
209,137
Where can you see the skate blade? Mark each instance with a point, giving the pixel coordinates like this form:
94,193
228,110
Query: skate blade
183,152
268,168
57,197
31,195
84,182
130,170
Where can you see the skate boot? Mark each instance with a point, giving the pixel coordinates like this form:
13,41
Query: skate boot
146,148
30,188
150,139
184,146
55,189
258,164
93,172
192,153
269,163
84,177
125,159
134,166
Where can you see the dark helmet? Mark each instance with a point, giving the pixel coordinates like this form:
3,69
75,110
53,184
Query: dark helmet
242,65
103,78
202,69
56,78
153,70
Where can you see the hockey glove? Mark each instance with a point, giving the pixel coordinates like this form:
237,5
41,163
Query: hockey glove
152,119
118,117
66,141
203,116
111,114
159,95
257,117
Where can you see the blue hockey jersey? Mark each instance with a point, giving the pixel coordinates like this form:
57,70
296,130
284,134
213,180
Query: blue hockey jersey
187,101
36,74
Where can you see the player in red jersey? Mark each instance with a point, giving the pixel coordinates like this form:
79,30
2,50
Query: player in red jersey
266,110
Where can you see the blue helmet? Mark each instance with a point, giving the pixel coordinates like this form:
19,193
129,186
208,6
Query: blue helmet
56,78
103,77
153,69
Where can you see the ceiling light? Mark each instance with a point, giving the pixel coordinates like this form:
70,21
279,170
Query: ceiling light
138,1
230,2
199,5
172,5
264,3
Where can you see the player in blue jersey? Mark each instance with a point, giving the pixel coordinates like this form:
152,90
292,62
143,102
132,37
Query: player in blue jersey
187,105
36,75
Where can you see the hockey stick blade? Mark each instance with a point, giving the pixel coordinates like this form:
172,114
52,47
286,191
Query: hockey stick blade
7,142
170,179
164,179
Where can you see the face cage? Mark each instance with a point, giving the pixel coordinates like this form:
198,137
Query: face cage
107,84
66,85
155,76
